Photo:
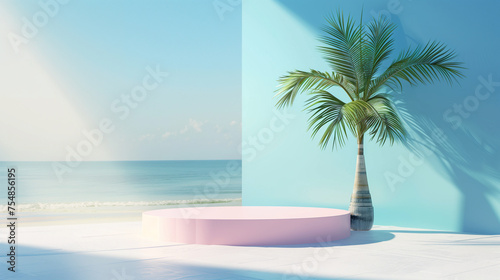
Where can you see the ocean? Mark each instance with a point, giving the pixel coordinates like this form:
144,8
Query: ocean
119,186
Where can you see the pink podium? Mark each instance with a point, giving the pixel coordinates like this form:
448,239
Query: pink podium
247,225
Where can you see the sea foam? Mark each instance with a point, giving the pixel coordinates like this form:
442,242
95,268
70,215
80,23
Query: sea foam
30,207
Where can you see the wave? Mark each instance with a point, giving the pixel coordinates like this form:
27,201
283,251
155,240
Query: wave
29,207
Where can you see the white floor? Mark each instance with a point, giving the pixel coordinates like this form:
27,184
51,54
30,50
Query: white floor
116,251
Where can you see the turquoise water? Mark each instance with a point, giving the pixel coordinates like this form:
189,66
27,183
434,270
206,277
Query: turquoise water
125,183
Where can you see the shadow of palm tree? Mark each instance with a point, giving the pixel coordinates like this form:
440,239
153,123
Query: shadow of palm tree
356,238
468,161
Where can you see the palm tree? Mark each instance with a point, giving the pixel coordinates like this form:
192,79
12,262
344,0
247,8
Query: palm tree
358,55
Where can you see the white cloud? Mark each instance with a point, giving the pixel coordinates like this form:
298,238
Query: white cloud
168,134
233,123
147,137
184,130
192,125
196,125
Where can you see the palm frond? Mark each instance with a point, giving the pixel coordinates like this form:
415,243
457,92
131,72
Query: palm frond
356,112
434,62
342,47
326,110
379,45
384,122
338,117
299,81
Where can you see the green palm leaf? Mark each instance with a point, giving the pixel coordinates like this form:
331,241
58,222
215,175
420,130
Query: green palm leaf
356,53
433,62
326,111
384,122
297,81
379,44
342,47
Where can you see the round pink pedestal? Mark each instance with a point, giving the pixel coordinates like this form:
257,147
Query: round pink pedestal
247,225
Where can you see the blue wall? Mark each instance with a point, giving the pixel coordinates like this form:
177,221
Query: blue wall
449,180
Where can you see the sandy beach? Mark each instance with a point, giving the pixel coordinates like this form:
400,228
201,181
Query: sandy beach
102,214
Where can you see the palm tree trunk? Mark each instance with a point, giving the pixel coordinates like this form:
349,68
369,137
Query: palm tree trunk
361,207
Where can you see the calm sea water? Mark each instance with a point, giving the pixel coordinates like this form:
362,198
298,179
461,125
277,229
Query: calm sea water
125,183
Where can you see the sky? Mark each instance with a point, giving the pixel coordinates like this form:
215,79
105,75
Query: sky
115,80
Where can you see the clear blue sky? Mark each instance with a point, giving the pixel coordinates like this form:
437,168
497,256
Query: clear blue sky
90,53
